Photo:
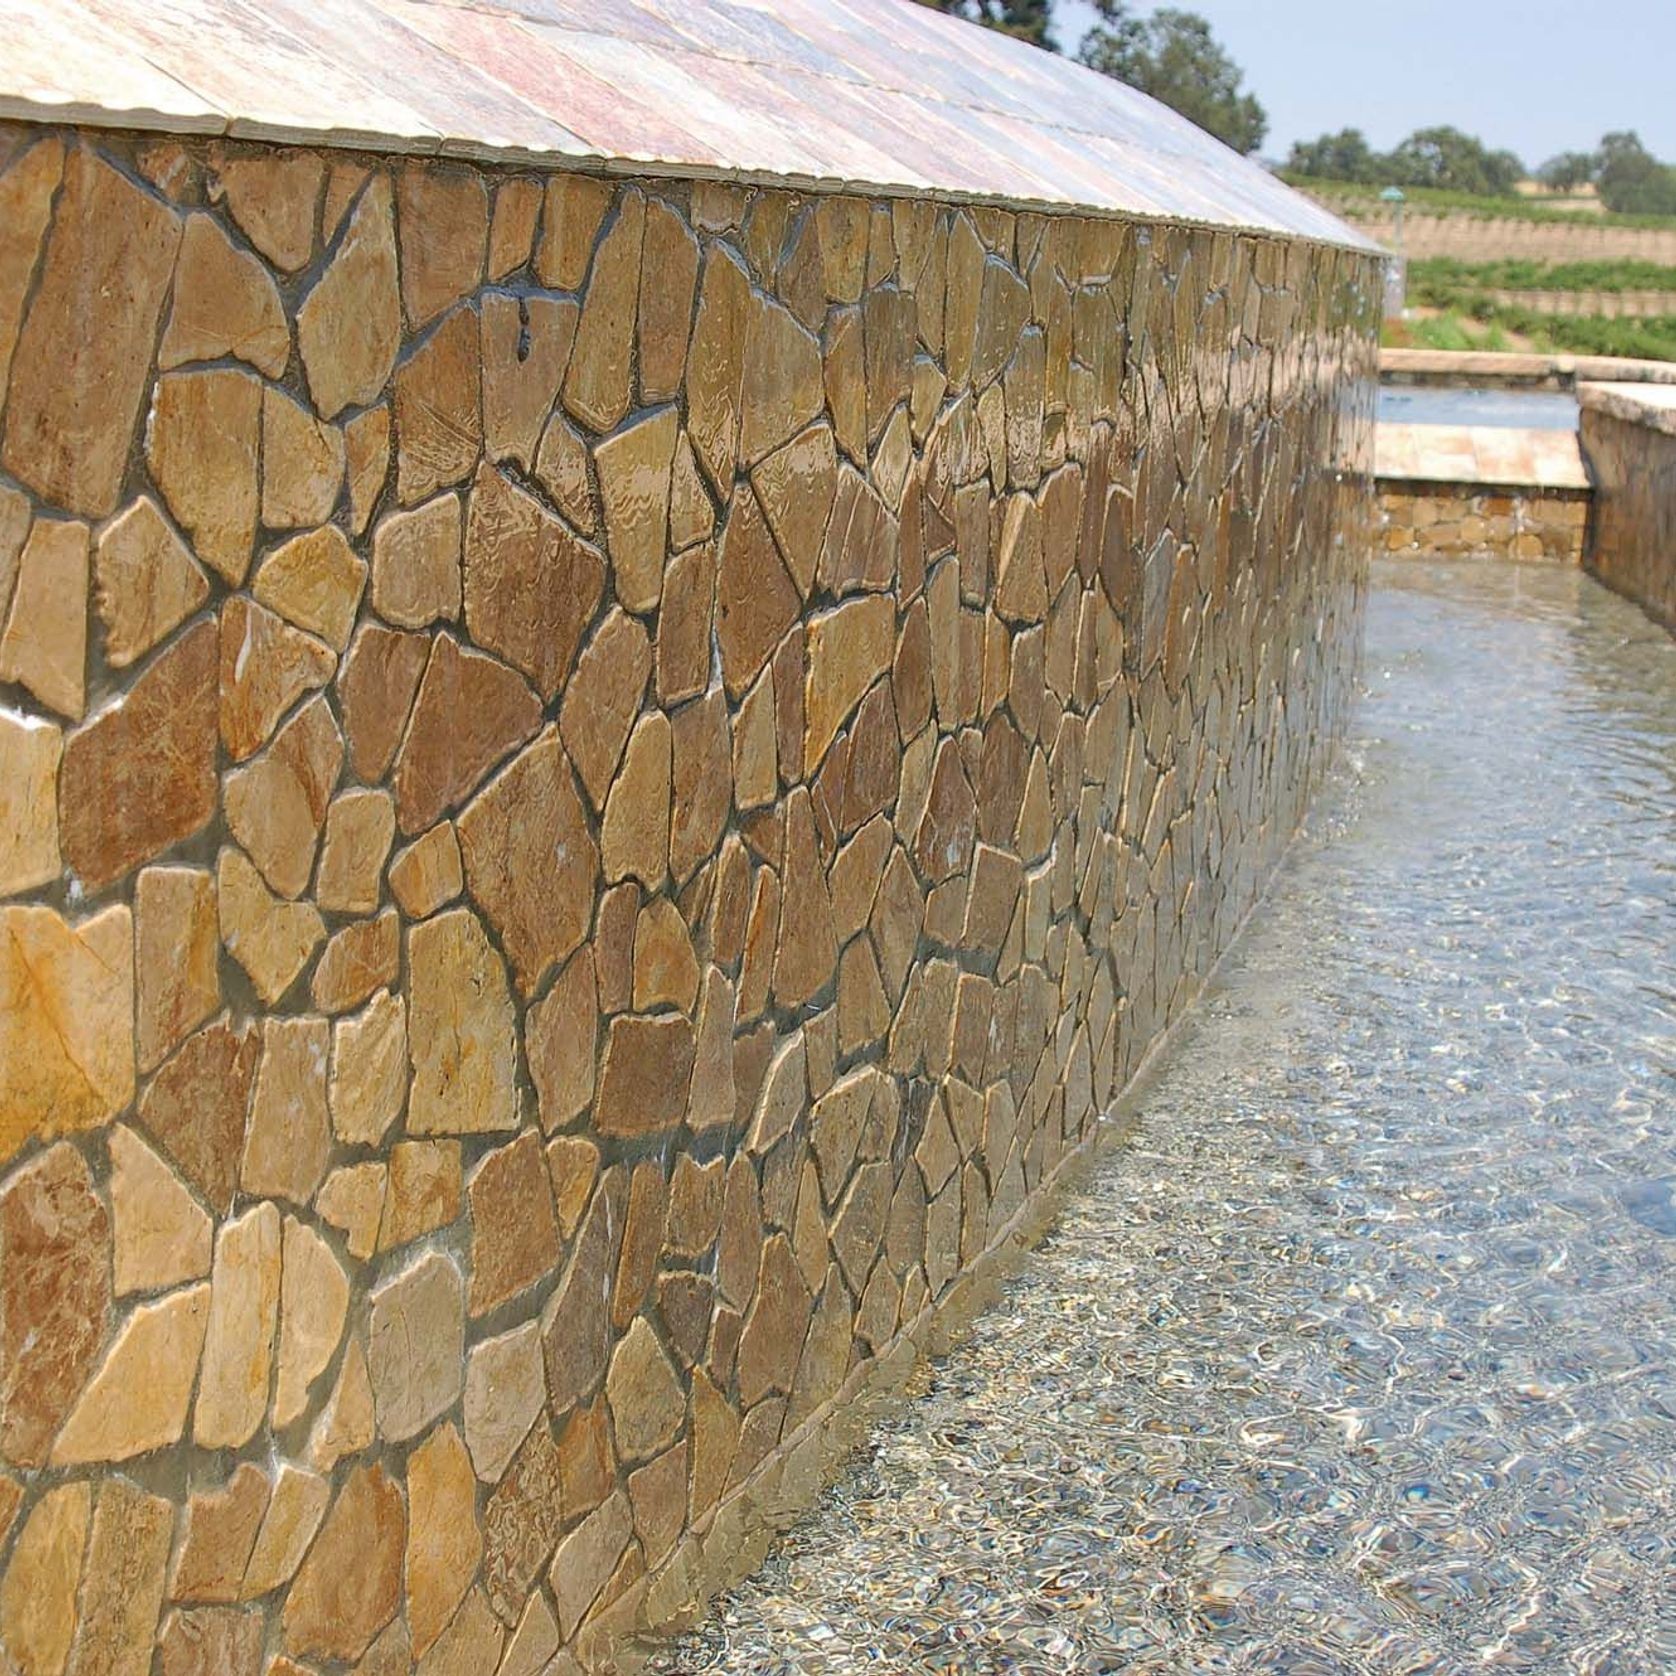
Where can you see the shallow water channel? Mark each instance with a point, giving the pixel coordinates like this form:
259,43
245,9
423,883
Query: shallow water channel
1359,1354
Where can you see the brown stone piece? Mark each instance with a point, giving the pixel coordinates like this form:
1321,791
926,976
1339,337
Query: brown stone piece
774,1325
512,231
350,1585
43,641
415,1345
122,1591
668,278
665,968
375,693
573,1167
217,1536
633,467
84,353
302,464
429,873
644,1394
692,516
146,582
470,713
314,1300
514,1234
202,445
289,1138
272,939
521,1521
530,860
561,467
535,1642
225,303
756,600
366,443
55,1295
644,1075
275,199
439,410
783,388
796,485
702,783
295,1509
349,325
162,1234
416,563
196,1107
265,665
634,835
597,386
559,1041
276,803
526,344
442,212
444,1544
359,959
575,1329
423,1191
715,364
506,1388
206,1640
807,952
686,625
27,185
602,699
461,1029
30,749
38,1613
643,1233
239,1339
847,650
360,827
315,582
369,1070
346,1425
140,775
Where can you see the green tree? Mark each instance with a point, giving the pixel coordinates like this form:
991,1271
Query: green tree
1028,20
1447,158
1173,56
1345,155
1631,180
1569,170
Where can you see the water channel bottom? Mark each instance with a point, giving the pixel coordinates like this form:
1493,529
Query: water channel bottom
1359,1354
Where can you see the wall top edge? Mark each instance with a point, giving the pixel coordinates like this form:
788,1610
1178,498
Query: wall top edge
881,96
1651,405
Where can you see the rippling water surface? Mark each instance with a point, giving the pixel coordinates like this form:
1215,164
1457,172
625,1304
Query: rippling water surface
1360,1354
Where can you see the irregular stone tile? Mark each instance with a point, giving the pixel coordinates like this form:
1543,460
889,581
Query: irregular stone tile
521,1521
715,364
633,466
29,753
573,1167
350,1585
597,383
275,198
844,371
146,582
346,1425
265,666
575,1330
162,1235
514,1233
826,1353
366,442
701,793
343,185
634,835
806,953
847,650
369,1070
360,827
66,1022
712,1097
275,805
217,1536
225,303
944,840
210,1640
349,326
530,860
665,968
442,212
460,1029
315,581
201,444
38,1593
506,1389
83,355
775,1325
756,600
642,1242
313,1302
526,344
470,713
644,1075
351,1199
561,467
714,1431
756,775
587,1462
535,1642
429,872
375,693
416,563
302,466
294,1512
692,517
438,410
586,1559
471,1642
784,1093
796,485
273,940
576,205
668,278
197,1104
122,1591
613,946
423,1191
444,1544
360,959
512,231
783,387
863,541
658,1495
239,1339
390,1655
415,1345
685,625
27,185
602,698
43,644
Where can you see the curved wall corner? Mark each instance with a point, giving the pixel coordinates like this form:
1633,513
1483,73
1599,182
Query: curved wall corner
598,781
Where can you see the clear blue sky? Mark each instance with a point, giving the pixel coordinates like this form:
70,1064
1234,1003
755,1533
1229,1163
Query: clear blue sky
1537,76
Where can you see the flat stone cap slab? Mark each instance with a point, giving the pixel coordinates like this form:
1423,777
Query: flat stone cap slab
1498,456
1652,405
882,95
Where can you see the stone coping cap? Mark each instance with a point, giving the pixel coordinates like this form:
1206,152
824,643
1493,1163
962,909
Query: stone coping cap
1489,455
1484,366
880,95
1653,405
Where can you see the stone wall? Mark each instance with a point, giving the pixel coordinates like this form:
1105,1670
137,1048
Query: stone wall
1629,436
598,781
1446,520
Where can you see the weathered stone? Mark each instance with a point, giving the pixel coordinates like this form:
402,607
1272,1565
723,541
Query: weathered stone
350,1585
315,582
634,836
602,698
613,946
429,873
633,467
526,344
535,1642
668,278
444,1544
84,352
302,467
275,198
239,1340
202,445
122,1590
692,517
294,1511
712,1097
416,564
140,775
848,649
210,1640
686,625
43,644
271,939
366,442
162,1235
313,1302
644,1075
714,1429
217,1537
346,1425
658,1495
146,582
807,952
521,1522
369,1070
665,968
561,467
471,1643
531,586
265,666
460,1029
782,389
360,826
943,844
196,1106
845,372
225,303
587,1461
514,1234
55,1294
27,185
756,775
505,1391
796,485
443,215
38,1593
360,959
597,386
29,752
862,546
756,600
573,1167
702,783
349,326
351,1199
575,1329
415,1351
470,713
642,1242
276,804
774,1326
715,364
576,205
439,410
423,1192
390,1655
587,1558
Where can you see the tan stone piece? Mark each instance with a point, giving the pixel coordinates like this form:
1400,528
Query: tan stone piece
442,211
161,1233
313,1302
471,1642
238,1342
668,278
775,1325
346,1425
576,205
796,485
359,959
461,1029
202,443
315,582
559,1042
644,1075
84,353
573,1167
692,516
272,939
429,873
506,1389
360,827
633,466
634,836
756,775
415,1345
561,467
29,752
27,184
602,699
702,783
302,464
715,364
848,649
756,599
369,1070
416,563
783,387
685,625
514,1233
665,968
512,230
526,344
295,1510
534,1643
38,1593
225,303
349,325
122,1591
521,1521
366,441
265,667
444,1544
275,198
276,803
43,643
351,1199
350,1585
439,410
644,1393
146,582
423,1191
197,1103
597,386
807,952
217,1536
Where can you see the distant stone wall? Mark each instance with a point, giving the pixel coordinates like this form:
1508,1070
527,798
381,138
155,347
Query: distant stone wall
1463,520
1629,438
598,782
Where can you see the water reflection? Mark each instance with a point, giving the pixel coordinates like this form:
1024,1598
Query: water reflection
1358,1356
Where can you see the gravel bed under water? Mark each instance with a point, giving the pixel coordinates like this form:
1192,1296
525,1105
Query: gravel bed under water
1360,1353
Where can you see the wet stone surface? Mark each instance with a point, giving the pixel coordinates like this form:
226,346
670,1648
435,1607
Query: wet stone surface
1359,1354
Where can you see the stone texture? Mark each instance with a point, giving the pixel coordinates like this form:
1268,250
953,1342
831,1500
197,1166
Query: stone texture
526,344
43,644
597,386
514,1233
443,215
366,445
575,1330
847,650
146,581
202,443
313,1303
423,1191
360,827
368,1084
265,665
686,623
350,1585
644,1075
429,873
415,1348
416,563
275,199
239,1338
644,1394
444,1544
586,1559
505,1390
775,1324
347,1424
360,959
715,364
439,410
210,1640
521,1522
303,464
217,1536
668,278
702,783
756,600
225,303
140,775
294,1512
460,1029
796,485
271,939
633,467
783,388
314,581
197,1106
634,836
276,803
79,371
602,699
27,185
349,325
560,1034
29,753
122,1590
161,1234
38,1593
